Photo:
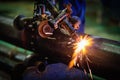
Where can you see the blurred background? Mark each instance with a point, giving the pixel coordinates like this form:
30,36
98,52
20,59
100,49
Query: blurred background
102,16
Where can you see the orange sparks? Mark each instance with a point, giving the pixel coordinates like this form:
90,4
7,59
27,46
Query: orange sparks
80,49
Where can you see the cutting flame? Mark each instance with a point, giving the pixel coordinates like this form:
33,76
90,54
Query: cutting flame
80,49
80,52
81,45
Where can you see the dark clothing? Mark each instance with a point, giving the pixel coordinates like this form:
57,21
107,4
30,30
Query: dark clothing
56,71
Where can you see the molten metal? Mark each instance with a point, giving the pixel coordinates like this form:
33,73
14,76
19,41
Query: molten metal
80,53
80,49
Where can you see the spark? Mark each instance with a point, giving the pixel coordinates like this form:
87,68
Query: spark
80,48
80,52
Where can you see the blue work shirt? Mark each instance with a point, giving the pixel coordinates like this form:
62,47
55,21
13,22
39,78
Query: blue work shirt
56,71
78,9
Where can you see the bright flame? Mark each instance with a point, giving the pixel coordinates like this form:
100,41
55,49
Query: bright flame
81,45
80,49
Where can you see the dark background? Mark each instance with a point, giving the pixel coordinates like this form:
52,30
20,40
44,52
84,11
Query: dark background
102,17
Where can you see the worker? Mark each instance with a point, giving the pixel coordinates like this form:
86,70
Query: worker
78,9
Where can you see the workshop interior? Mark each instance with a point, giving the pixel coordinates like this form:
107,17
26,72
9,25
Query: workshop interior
59,39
